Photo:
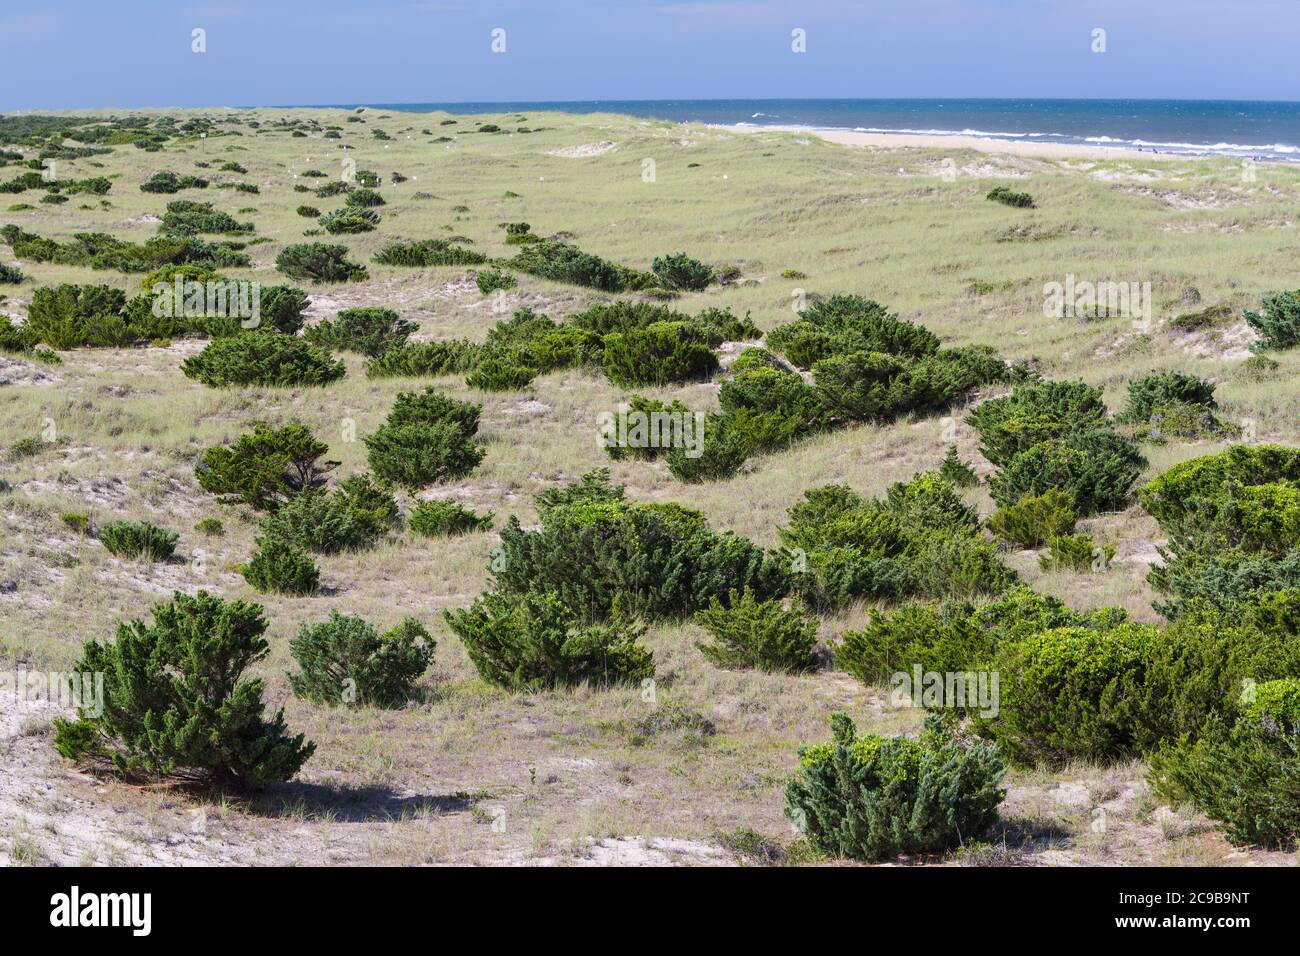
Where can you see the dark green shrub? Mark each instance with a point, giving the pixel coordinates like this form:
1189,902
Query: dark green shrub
1157,391
727,444
426,438
176,702
281,567
328,523
956,471
758,634
186,218
680,271
344,660
659,354
536,641
10,274
69,316
169,182
1032,520
1118,693
1008,198
364,198
921,540
425,359
428,252
1075,552
349,220
212,527
370,331
490,280
135,539
657,560
309,212
1244,779
754,359
842,324
954,636
562,262
493,375
649,429
267,466
438,519
1279,323
869,798
268,359
1033,414
319,262
1097,469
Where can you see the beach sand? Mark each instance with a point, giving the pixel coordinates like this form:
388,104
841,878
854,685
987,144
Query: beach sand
1006,147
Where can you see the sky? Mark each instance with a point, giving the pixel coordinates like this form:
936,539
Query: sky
65,54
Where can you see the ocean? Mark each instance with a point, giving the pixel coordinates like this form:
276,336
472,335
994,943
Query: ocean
1260,130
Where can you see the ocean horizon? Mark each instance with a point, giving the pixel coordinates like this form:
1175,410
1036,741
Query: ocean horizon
1263,129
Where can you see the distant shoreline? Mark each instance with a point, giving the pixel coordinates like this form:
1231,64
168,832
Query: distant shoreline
999,146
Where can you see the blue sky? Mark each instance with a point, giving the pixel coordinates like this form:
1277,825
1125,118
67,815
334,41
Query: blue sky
92,53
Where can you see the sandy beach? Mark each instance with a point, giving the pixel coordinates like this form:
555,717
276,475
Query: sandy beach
1005,147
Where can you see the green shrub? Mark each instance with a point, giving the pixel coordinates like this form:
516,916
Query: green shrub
1118,693
1032,520
309,212
327,523
186,218
956,471
135,539
10,274
169,182
319,262
426,438
1245,780
562,262
954,636
679,271
536,641
1157,391
1033,414
344,660
728,443
78,522
921,540
177,703
438,519
870,798
69,316
490,280
1279,323
757,634
659,354
364,198
268,359
425,359
370,331
349,220
842,324
594,549
1008,198
494,375
266,467
1075,552
212,527
281,567
428,252
1097,469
